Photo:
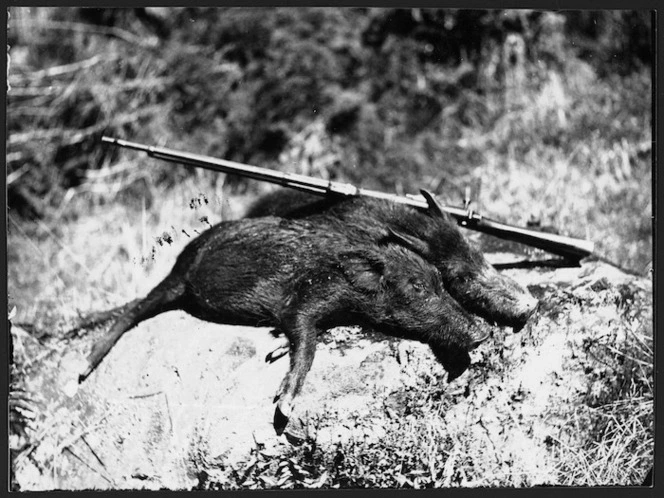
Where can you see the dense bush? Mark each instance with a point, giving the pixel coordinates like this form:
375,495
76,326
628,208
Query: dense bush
240,83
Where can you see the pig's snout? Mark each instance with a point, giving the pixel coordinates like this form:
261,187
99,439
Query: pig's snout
496,298
525,307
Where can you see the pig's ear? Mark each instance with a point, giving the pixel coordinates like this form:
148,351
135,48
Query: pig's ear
408,241
435,207
364,269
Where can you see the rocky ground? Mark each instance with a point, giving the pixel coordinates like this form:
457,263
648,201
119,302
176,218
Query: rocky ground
184,404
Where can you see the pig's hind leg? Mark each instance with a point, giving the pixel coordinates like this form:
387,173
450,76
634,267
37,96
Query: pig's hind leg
99,317
165,297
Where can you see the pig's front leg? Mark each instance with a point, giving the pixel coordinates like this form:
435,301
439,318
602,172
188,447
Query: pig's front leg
302,335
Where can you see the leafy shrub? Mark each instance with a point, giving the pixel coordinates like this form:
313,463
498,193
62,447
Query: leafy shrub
408,97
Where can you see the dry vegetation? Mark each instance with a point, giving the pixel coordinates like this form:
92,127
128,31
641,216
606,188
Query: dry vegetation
560,138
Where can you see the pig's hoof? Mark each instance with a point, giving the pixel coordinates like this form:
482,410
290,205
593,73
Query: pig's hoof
280,421
273,356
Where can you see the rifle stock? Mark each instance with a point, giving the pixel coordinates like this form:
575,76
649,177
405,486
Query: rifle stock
568,247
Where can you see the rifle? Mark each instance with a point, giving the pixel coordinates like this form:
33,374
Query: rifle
569,248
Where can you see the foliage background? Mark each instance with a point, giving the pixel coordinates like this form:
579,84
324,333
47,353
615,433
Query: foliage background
546,116
390,99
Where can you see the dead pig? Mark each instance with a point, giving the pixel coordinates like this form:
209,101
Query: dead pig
433,234
303,279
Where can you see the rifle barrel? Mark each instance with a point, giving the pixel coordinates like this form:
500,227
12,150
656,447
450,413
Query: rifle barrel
567,247
221,165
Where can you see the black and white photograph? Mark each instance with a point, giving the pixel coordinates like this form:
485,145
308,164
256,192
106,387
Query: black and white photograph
274,248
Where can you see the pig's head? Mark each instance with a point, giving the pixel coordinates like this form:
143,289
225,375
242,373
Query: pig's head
404,296
467,275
